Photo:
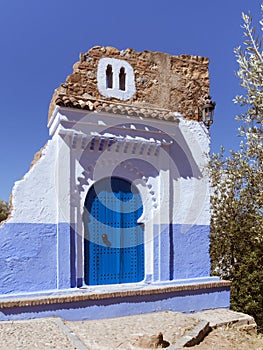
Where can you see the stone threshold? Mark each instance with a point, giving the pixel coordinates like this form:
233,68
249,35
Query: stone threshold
79,294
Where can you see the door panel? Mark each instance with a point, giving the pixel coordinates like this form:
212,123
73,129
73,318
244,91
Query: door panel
114,241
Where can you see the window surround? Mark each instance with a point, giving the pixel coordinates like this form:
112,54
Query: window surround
123,82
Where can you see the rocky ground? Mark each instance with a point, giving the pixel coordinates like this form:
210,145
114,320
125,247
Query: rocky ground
230,338
132,332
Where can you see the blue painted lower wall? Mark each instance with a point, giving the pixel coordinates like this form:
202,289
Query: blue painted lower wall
191,250
181,252
43,258
28,257
39,257
36,257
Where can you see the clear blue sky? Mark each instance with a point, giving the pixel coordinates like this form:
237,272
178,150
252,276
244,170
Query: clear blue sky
41,40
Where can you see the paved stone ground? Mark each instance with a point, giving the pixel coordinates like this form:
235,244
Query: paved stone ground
34,334
119,333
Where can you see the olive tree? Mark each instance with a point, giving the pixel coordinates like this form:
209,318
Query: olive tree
237,182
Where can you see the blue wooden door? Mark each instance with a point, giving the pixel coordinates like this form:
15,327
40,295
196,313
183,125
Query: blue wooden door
114,241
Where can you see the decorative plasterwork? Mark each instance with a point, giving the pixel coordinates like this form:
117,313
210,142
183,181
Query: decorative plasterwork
108,142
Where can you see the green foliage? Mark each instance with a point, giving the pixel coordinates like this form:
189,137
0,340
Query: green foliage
237,199
4,210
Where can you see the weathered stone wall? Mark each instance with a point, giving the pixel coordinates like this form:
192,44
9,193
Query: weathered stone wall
176,83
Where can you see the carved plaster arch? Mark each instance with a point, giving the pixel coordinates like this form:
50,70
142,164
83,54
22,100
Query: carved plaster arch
148,190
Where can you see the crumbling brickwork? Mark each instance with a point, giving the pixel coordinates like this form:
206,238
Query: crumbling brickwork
172,83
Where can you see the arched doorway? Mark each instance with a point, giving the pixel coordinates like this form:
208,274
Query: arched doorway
114,241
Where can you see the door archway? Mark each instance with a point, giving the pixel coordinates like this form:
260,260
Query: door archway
114,241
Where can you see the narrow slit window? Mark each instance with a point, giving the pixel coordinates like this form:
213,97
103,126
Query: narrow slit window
122,78
109,76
